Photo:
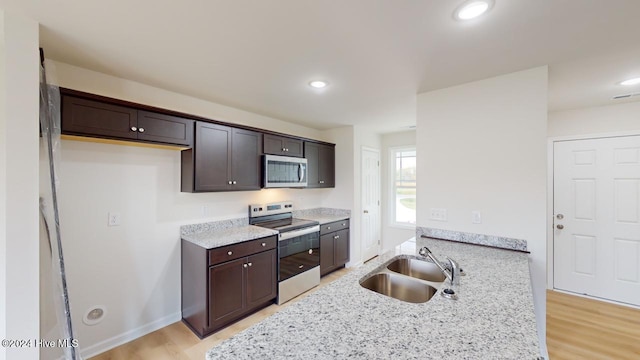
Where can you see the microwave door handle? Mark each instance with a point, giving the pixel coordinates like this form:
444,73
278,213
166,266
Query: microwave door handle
300,173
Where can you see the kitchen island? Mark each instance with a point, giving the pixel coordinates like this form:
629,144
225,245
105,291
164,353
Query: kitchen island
492,319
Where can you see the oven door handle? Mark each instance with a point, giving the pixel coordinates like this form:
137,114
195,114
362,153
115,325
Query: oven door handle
296,233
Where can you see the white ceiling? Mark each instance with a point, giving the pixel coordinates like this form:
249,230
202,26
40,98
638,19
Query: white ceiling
376,54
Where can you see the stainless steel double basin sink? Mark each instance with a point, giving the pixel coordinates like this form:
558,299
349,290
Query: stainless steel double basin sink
407,279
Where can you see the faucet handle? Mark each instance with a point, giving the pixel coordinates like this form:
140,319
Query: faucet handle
455,271
424,251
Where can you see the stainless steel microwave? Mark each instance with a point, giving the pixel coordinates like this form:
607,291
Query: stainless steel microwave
284,171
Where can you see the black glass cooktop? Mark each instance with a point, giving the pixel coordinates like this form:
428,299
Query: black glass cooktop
283,224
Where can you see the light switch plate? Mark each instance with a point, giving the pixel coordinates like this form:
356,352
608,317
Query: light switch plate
114,219
476,217
438,214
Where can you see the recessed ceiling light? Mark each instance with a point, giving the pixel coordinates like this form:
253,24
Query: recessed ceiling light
630,82
318,84
472,9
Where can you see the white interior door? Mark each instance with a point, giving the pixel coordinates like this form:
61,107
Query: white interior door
370,203
596,195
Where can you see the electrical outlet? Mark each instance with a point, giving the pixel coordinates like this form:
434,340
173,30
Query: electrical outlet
438,214
114,219
476,218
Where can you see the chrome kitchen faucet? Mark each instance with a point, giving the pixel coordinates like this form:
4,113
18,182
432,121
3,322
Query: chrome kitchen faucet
453,275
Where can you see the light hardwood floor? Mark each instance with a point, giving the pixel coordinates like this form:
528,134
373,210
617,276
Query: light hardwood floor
577,328
580,328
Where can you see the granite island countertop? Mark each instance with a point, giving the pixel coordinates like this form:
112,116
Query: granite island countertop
493,318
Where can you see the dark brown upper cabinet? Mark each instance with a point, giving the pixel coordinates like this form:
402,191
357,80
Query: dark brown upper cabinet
92,118
282,145
320,164
223,159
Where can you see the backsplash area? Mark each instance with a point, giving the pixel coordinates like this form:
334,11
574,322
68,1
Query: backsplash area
471,238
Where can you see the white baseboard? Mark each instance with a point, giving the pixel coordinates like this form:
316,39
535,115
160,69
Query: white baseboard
130,335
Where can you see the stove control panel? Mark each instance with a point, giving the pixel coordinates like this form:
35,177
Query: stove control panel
256,210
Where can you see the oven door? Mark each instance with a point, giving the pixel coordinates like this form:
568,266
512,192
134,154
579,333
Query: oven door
298,251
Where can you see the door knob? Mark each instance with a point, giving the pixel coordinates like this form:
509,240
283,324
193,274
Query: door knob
560,226
560,216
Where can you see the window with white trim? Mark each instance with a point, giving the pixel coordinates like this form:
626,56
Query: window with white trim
403,186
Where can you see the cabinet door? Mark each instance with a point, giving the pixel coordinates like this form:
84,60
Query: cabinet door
327,259
164,128
227,292
93,118
262,278
341,247
280,145
212,149
311,153
327,161
294,147
245,160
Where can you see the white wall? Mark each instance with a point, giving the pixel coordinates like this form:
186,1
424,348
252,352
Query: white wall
134,269
483,147
392,235
343,196
595,120
19,287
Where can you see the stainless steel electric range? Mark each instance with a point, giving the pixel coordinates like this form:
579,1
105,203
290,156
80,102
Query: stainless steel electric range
298,247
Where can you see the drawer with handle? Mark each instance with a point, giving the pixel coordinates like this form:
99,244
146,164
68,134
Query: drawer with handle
334,226
236,251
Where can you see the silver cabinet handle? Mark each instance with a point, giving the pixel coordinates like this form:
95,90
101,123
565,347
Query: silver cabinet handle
244,266
250,264
141,130
300,266
328,227
234,182
560,226
230,182
264,244
344,224
230,253
337,237
283,149
321,181
310,251
133,128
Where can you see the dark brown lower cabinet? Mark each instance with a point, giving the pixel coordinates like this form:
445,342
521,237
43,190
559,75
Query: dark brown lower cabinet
224,284
238,286
334,246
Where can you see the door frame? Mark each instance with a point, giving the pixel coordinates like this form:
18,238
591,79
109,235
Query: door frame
377,151
550,178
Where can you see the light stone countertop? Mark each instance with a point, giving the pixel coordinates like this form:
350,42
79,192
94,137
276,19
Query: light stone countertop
322,215
493,318
221,237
